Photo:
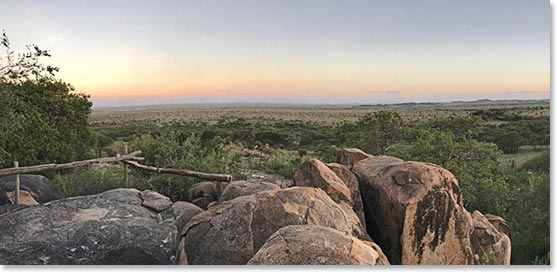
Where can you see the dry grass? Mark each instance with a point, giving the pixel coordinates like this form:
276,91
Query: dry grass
321,114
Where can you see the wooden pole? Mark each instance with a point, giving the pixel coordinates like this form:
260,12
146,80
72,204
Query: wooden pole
126,167
52,166
16,165
181,172
129,159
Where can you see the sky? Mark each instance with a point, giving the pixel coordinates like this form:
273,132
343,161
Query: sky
125,52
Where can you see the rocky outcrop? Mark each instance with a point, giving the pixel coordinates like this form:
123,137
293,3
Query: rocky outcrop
314,173
203,193
317,245
242,188
349,156
414,211
351,181
489,245
119,226
233,231
40,188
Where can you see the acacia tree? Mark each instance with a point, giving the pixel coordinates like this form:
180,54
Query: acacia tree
374,132
19,67
42,119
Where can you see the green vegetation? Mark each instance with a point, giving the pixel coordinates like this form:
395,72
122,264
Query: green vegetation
42,119
511,182
497,150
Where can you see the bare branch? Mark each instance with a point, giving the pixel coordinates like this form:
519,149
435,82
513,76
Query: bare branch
52,166
181,172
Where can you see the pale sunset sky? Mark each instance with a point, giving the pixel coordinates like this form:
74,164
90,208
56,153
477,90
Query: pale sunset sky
125,52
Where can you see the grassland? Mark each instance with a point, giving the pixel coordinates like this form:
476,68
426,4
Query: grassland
318,114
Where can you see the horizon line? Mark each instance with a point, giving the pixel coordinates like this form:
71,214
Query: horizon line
386,103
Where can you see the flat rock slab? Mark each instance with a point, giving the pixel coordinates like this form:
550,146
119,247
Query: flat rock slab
109,228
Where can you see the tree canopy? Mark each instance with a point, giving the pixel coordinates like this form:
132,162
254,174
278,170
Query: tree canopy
42,119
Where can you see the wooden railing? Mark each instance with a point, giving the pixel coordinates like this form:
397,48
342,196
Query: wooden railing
130,159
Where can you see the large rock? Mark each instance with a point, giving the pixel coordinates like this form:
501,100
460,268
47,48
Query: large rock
351,181
205,192
109,228
184,212
488,244
349,156
414,211
39,187
242,188
314,173
316,245
233,231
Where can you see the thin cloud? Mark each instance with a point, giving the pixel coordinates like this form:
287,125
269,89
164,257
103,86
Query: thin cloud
389,92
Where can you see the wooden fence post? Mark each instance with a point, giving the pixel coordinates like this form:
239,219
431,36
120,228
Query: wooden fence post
126,179
16,165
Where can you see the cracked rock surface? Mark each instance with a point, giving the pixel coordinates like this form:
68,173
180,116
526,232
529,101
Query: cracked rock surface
113,227
233,231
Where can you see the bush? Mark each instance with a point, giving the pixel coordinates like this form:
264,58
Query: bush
94,179
181,150
280,162
529,218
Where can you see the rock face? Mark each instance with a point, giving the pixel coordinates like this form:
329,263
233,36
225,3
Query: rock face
316,245
256,175
243,188
203,193
414,211
232,232
25,198
499,223
488,244
155,201
184,212
39,187
349,156
351,181
314,173
10,208
109,228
